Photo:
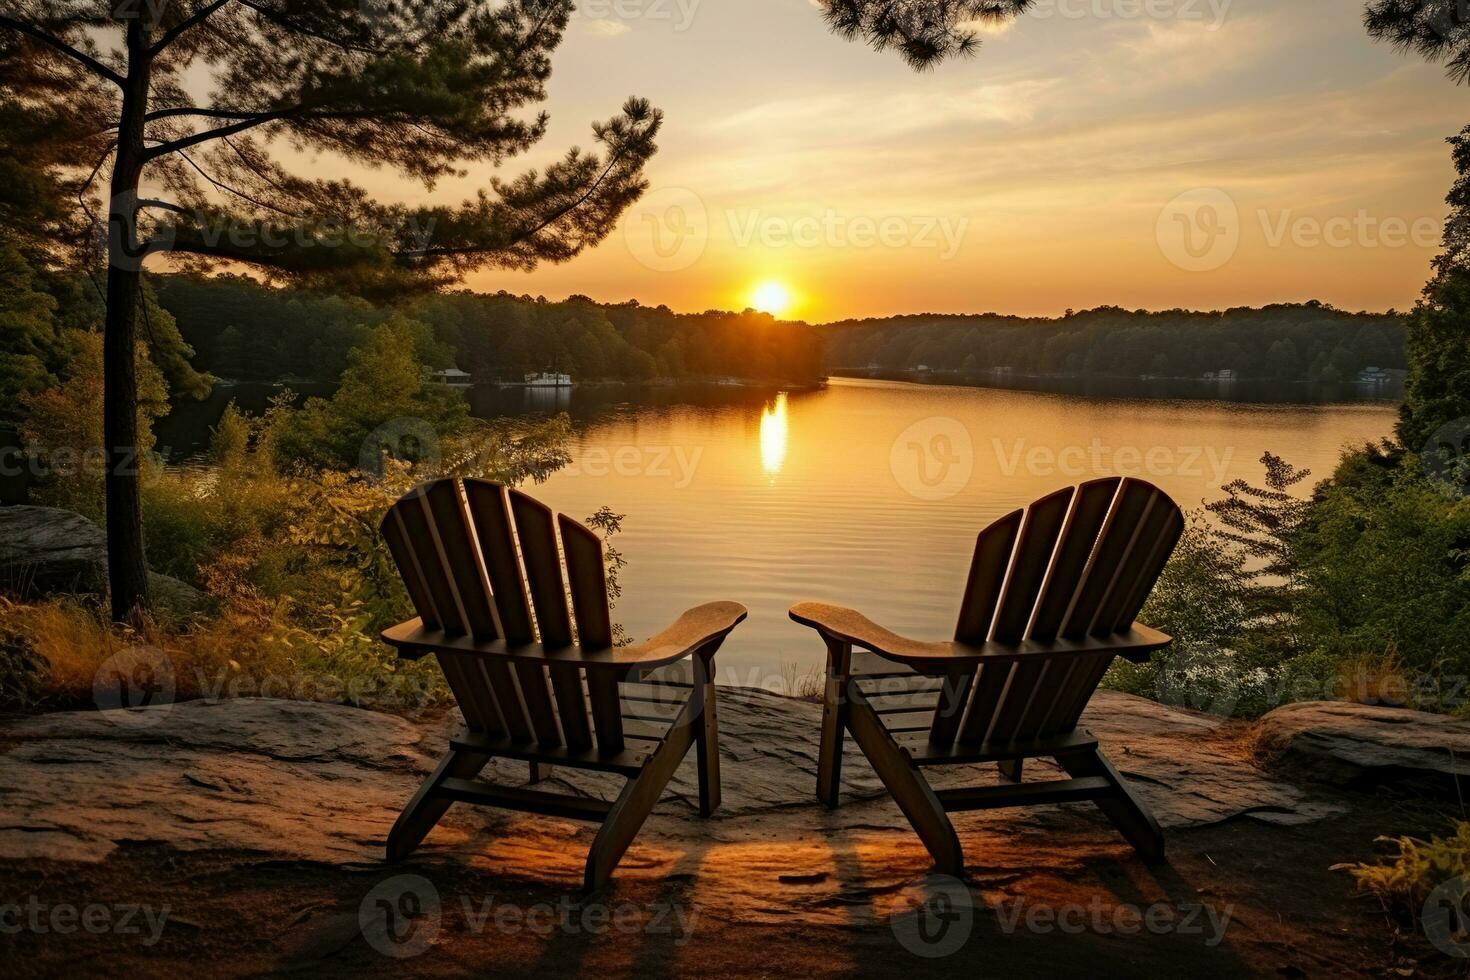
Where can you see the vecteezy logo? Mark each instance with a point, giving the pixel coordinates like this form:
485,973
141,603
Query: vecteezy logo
400,916
1446,457
933,458
1446,918
667,230
138,677
407,440
941,924
1199,230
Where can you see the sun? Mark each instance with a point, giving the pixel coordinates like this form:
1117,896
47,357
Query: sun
771,297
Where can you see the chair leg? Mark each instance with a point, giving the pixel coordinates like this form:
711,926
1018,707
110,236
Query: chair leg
636,801
909,788
1127,812
1010,769
706,734
425,808
834,723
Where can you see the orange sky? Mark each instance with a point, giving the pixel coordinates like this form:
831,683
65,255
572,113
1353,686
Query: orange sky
1218,152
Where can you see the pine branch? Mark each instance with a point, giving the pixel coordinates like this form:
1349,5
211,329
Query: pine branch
81,57
179,29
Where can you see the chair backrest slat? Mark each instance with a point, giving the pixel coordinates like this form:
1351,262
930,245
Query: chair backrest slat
536,529
950,711
1110,560
993,549
1019,704
396,536
1083,563
571,707
1089,509
607,711
587,576
536,697
501,684
1153,529
469,695
429,558
490,513
1087,672
1149,571
460,551
482,560
1043,525
990,686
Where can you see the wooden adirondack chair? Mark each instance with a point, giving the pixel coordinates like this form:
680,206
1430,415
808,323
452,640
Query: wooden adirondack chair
539,681
1051,600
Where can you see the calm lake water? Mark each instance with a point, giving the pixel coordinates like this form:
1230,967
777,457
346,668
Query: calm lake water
870,493
867,493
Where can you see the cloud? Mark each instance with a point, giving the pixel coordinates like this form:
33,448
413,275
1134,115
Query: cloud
605,27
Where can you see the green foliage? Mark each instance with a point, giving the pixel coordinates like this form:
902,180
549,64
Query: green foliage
1385,566
28,341
1433,29
427,88
81,308
1438,390
504,337
1260,524
63,424
383,386
1361,592
244,329
1417,867
1306,342
923,32
295,560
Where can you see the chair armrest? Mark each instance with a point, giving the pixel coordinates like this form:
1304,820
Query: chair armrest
849,626
697,628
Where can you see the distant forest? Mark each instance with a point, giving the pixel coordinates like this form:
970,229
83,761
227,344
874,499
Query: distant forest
1287,342
244,330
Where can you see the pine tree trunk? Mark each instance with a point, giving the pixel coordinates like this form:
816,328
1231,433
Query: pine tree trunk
127,567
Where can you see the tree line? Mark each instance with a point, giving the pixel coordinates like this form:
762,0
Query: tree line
242,329
1284,342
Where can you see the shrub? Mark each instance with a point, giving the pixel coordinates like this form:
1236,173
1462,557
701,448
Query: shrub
1418,867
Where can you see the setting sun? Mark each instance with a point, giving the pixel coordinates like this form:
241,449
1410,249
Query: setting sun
771,297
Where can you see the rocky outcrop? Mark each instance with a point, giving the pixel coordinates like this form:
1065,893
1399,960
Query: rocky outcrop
50,551
46,550
1362,746
323,783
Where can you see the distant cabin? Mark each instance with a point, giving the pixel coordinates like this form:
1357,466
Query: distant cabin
1226,374
451,378
547,379
1373,376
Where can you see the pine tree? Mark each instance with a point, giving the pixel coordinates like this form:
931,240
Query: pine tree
1437,30
923,32
1437,393
426,88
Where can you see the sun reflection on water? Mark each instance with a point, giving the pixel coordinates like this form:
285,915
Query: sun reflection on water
773,435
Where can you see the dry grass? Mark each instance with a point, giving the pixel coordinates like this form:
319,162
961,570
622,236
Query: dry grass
1376,679
804,685
74,658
